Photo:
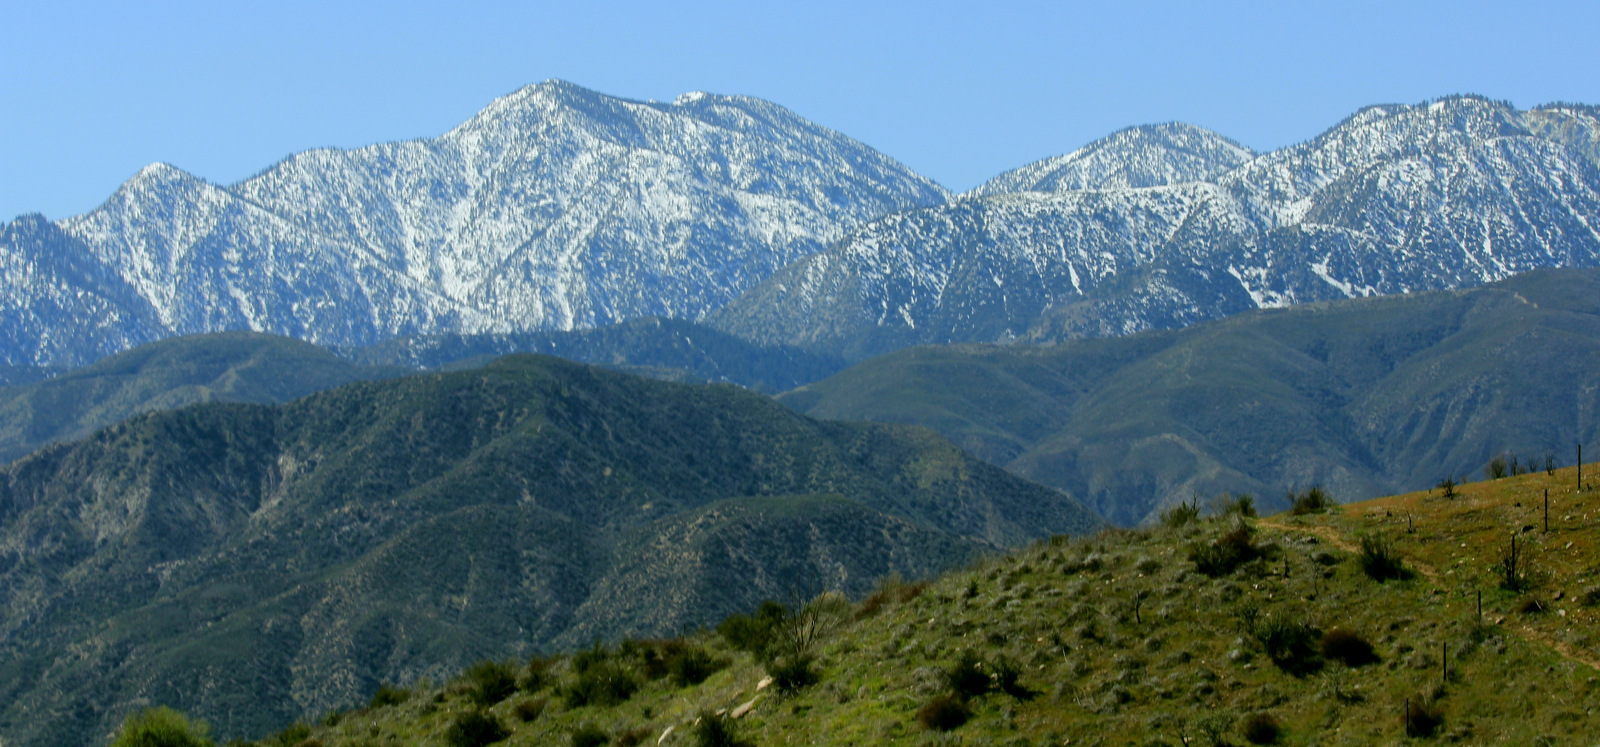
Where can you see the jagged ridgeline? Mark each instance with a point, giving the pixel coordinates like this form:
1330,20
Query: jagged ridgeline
555,207
1165,226
250,564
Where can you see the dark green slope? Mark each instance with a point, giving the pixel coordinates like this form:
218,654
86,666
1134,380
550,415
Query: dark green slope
670,349
225,366
254,563
1368,397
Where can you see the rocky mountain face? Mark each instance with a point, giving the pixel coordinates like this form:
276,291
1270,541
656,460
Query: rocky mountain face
254,563
554,208
1449,194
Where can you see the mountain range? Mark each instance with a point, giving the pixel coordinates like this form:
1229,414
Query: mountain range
253,563
1367,397
1160,227
554,208
557,208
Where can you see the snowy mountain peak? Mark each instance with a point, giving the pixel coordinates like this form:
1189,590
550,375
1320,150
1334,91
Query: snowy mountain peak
1143,156
555,207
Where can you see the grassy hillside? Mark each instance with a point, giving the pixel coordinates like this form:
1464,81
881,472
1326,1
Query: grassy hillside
1368,397
1125,638
221,367
249,563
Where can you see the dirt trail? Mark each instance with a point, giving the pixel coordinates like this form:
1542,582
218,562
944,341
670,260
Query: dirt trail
1336,538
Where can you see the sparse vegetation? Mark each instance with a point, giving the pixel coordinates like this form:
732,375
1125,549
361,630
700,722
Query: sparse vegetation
491,681
1181,515
1131,645
716,730
589,735
389,695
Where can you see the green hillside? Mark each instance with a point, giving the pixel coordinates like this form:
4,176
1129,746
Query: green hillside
1388,622
225,367
251,563
1367,397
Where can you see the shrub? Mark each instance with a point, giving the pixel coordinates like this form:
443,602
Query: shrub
491,682
1309,501
536,675
1262,728
712,730
791,674
600,683
1180,515
691,666
1532,606
1006,678
1496,468
1423,719
1231,549
1380,561
944,713
1349,647
632,737
530,709
1448,485
754,633
1292,645
161,727
1513,568
590,735
892,589
388,695
966,677
293,734
1590,596
475,729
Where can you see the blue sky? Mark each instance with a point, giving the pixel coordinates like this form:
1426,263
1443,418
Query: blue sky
90,92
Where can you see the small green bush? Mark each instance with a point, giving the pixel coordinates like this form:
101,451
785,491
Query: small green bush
491,682
1380,561
1262,728
1292,645
754,633
530,709
966,677
712,730
475,729
692,666
944,713
590,735
389,695
632,737
536,675
1231,549
161,727
791,674
1309,501
293,734
1181,515
600,683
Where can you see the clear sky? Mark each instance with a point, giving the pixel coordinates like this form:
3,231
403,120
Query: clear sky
92,91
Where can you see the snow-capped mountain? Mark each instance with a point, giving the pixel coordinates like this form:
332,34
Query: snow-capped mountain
1146,156
554,208
1448,194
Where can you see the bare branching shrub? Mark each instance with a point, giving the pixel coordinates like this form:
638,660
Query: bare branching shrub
1497,468
1512,570
1448,486
1380,561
